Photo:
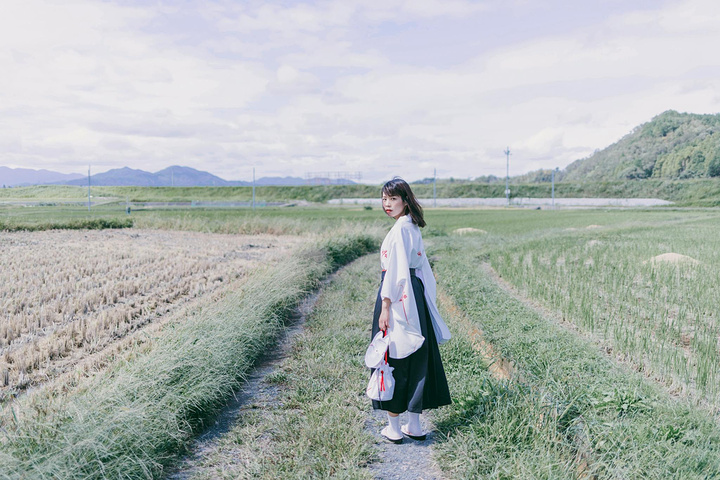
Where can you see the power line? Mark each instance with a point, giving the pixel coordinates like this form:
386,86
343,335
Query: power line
88,188
507,177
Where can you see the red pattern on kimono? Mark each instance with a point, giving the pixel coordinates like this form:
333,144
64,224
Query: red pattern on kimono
402,250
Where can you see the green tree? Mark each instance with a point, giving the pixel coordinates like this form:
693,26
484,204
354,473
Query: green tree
713,168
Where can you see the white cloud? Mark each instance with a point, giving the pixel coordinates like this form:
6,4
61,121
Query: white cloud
225,85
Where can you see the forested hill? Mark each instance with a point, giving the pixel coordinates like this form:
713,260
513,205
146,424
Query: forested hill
671,146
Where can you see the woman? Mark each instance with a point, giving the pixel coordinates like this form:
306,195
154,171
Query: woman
406,310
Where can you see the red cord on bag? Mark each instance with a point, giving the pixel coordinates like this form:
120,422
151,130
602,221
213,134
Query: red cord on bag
384,334
382,373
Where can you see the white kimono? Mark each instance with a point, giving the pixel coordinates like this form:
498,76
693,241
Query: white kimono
402,250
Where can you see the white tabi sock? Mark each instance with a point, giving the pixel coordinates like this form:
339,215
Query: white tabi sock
413,425
394,426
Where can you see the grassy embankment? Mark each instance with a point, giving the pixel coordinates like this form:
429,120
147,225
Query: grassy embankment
131,420
693,192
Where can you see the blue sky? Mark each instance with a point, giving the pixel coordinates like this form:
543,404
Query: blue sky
393,87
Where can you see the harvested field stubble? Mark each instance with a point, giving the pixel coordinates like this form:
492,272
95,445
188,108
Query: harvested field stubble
68,294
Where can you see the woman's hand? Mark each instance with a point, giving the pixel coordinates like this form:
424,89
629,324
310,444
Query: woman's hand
384,320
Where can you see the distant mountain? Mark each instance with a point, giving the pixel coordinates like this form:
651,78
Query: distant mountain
189,177
280,181
672,145
295,181
172,176
185,177
327,181
13,177
118,177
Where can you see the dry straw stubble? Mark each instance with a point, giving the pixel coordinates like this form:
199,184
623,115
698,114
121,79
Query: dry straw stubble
70,294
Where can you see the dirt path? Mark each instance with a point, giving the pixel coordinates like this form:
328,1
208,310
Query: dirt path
411,460
255,392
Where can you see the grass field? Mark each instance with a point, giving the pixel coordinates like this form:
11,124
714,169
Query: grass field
613,354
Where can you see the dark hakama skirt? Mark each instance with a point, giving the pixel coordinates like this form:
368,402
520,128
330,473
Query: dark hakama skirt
420,382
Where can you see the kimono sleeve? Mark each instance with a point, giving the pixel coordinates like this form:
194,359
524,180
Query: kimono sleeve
442,333
404,327
397,274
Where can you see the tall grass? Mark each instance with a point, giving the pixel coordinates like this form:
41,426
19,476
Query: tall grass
132,420
269,220
65,224
273,221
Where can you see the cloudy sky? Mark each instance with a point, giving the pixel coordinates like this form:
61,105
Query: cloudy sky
388,87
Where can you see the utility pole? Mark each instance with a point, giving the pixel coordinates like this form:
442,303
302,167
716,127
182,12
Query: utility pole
253,201
553,188
88,188
507,177
434,187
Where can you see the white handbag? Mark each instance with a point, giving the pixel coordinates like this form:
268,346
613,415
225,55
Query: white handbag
382,384
376,350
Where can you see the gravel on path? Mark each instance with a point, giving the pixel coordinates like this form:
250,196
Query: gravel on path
411,460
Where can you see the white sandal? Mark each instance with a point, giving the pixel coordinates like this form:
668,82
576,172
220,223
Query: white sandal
384,434
405,432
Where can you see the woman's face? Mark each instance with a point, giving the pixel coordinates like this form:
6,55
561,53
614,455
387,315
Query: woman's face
393,205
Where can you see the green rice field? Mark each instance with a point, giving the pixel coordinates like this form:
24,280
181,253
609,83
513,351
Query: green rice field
650,291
